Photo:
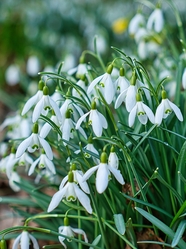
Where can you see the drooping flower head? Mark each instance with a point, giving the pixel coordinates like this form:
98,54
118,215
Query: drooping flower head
96,120
103,174
106,85
71,192
165,108
24,240
69,231
34,142
156,21
142,111
122,83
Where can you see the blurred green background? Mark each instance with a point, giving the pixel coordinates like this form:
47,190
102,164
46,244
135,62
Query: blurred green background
37,35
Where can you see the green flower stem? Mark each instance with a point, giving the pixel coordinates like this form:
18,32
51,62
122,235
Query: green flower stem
44,216
79,226
97,56
27,228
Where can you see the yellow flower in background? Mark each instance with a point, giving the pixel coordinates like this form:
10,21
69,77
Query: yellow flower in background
120,25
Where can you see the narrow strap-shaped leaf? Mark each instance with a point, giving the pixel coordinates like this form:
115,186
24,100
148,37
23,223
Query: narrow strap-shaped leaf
120,223
179,232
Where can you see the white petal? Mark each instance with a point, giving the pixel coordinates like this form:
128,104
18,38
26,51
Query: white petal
94,82
32,101
184,79
45,130
120,99
65,179
159,113
82,184
149,113
131,97
38,109
50,165
113,160
56,109
132,115
102,177
103,120
109,90
176,110
80,120
143,118
46,147
24,240
34,241
56,199
80,231
23,146
16,242
83,198
96,123
89,173
32,167
117,175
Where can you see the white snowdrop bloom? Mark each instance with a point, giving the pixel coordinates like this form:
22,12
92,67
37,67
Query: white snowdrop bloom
136,22
45,103
81,69
113,158
96,119
184,79
24,240
106,85
142,111
43,162
14,177
77,93
142,50
74,109
10,120
103,174
46,128
71,192
57,97
12,75
156,21
68,128
69,232
25,160
78,176
128,96
140,35
34,142
34,99
33,65
122,83
11,161
165,108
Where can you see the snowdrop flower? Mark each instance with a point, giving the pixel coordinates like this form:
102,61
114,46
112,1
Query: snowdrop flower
81,83
45,103
78,175
103,174
69,105
107,86
122,83
11,161
142,111
34,99
34,142
96,119
72,192
165,108
129,95
113,158
14,177
81,69
43,162
68,128
69,232
184,79
24,240
156,21
136,22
